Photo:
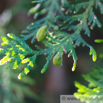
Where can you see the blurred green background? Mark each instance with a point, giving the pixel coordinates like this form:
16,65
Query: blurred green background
56,81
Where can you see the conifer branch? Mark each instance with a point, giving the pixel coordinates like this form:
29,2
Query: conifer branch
62,22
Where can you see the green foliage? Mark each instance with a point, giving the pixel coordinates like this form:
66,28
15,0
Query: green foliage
16,54
34,9
64,21
99,41
13,90
94,91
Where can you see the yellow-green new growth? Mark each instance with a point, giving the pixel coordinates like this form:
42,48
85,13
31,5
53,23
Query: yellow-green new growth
34,9
57,59
41,34
93,53
74,66
26,70
43,70
99,40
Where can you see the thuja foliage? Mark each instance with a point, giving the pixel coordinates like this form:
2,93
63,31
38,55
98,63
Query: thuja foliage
11,89
64,20
99,41
92,93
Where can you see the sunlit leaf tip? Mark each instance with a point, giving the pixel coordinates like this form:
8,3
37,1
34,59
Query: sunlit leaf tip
74,66
99,40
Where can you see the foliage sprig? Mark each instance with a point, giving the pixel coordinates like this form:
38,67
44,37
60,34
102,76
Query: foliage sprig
94,91
64,20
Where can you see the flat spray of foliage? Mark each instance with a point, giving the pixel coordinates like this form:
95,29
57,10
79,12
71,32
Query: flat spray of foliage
93,93
11,89
65,19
